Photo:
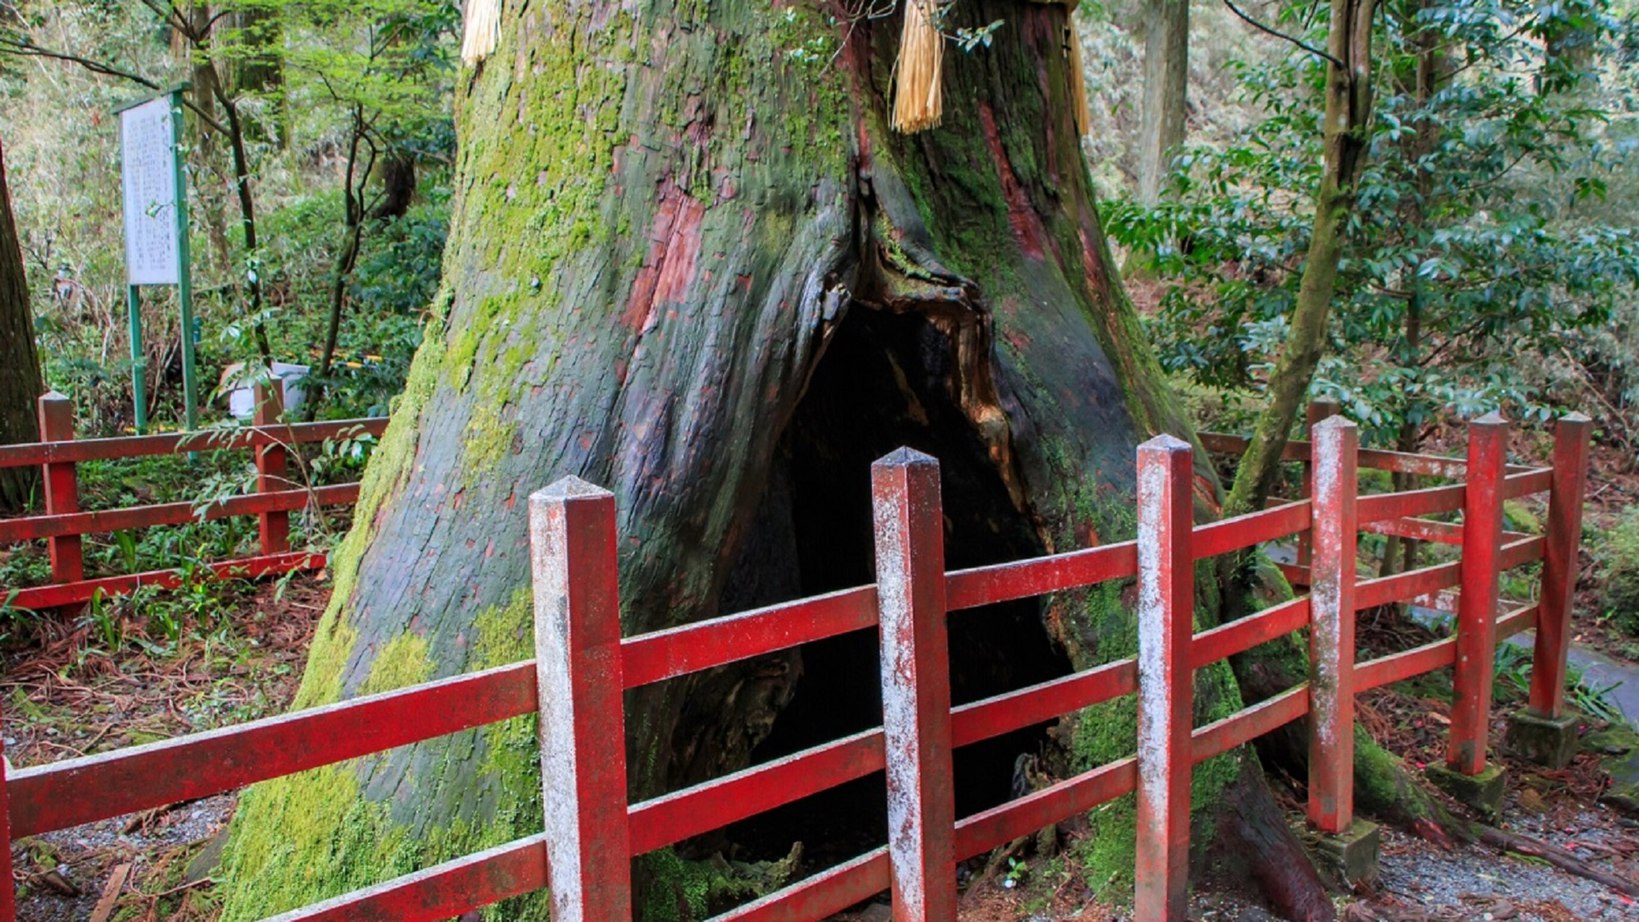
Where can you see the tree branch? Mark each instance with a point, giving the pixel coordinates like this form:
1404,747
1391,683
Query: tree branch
1281,35
29,49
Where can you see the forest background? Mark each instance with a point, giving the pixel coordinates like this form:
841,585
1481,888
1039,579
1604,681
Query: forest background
1490,259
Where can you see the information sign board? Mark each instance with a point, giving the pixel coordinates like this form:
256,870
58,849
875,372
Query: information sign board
148,151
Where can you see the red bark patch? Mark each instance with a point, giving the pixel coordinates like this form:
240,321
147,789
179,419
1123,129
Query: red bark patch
1206,491
1096,279
667,272
1026,224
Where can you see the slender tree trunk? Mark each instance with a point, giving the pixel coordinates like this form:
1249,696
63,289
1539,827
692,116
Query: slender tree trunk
258,71
1430,68
20,383
207,156
354,180
1348,122
1161,124
192,33
693,265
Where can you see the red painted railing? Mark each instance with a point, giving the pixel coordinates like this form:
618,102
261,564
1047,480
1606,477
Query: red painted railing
582,666
63,524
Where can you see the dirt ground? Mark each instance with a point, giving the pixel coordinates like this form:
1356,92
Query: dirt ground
67,692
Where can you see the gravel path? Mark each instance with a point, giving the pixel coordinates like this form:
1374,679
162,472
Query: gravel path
88,856
1421,880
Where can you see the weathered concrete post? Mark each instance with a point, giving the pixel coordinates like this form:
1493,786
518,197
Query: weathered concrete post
582,721
273,528
1320,410
8,889
1352,844
1465,774
910,579
1543,732
1166,612
62,488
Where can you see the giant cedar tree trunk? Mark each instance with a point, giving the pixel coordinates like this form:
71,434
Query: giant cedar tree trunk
1166,93
690,262
20,383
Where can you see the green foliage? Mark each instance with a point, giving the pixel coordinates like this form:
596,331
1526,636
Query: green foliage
395,281
1478,232
1511,683
1616,551
343,84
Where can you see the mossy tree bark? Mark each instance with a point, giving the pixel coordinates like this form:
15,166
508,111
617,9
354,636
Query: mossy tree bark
21,382
689,261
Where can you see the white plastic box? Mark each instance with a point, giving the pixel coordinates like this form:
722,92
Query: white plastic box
241,396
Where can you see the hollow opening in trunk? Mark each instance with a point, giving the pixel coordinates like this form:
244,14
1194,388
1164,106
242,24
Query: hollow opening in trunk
883,383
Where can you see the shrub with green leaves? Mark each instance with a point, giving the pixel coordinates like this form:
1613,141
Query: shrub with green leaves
1480,236
1617,551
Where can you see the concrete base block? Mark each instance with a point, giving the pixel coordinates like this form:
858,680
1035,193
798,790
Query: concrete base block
1546,741
1481,793
1353,852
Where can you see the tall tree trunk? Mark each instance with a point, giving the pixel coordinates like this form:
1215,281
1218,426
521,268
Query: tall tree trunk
690,262
21,383
1166,93
257,69
1418,79
192,34
361,158
1347,126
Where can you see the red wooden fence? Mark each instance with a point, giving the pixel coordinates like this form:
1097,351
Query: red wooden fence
64,523
583,665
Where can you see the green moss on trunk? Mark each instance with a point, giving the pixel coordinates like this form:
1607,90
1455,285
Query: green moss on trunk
662,211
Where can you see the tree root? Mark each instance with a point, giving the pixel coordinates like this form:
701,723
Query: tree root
1387,790
1254,827
1560,858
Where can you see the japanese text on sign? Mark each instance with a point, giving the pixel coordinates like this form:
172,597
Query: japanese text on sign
149,174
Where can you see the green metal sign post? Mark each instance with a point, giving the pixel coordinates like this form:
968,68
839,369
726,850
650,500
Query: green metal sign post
190,336
156,243
139,362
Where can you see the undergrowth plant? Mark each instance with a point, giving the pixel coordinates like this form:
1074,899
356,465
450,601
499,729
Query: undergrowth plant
1511,682
1616,553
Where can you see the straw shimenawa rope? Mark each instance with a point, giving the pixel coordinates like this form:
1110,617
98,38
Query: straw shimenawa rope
482,30
1078,77
919,96
919,99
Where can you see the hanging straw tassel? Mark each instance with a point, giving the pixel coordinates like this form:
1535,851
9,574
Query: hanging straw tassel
1078,77
482,31
919,96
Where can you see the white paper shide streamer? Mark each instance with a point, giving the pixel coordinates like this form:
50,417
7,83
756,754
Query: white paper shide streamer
482,30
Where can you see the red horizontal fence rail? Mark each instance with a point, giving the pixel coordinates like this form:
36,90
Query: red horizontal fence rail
583,666
63,524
